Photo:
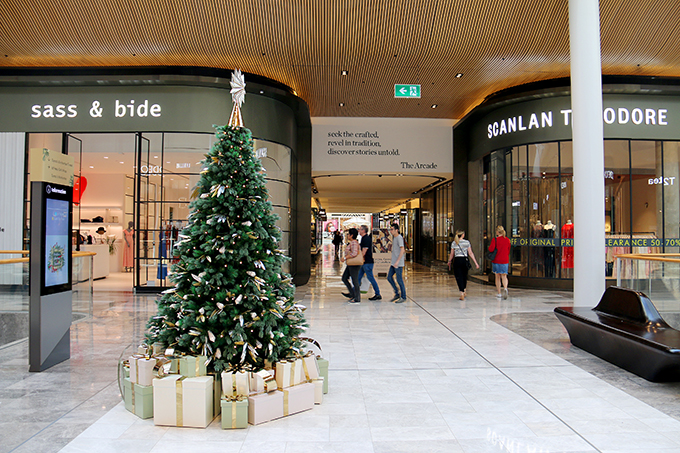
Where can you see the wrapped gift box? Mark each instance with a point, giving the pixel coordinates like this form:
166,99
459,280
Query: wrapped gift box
138,398
318,390
310,368
192,366
180,401
234,412
262,382
288,373
141,370
298,398
235,383
323,372
217,394
265,407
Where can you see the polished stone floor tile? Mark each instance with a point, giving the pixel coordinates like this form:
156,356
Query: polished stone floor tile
434,374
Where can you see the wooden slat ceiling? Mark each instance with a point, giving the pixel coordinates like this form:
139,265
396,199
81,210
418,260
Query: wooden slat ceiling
305,44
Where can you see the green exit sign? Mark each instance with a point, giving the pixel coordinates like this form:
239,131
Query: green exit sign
407,91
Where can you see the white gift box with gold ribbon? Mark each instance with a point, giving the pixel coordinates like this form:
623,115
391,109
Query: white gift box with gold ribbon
298,398
235,383
310,367
265,407
288,373
182,401
262,381
141,370
318,390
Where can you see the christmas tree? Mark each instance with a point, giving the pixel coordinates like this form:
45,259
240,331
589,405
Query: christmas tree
231,301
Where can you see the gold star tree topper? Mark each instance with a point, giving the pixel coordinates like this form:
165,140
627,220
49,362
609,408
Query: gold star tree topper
238,96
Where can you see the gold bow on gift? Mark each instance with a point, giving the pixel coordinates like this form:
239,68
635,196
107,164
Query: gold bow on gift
268,379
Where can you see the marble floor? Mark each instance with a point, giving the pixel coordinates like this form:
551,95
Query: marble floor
434,374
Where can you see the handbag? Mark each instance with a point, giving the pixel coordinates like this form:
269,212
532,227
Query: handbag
356,260
467,258
492,255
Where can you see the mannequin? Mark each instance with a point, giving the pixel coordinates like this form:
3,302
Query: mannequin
128,256
549,258
537,253
568,253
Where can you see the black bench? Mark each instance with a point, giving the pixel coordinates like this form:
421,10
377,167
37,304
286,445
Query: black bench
626,329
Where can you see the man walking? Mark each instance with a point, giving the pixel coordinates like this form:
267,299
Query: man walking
367,268
397,266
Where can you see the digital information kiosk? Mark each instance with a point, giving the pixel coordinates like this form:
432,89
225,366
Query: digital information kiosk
50,308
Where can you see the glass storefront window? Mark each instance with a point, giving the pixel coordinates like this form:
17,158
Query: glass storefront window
642,202
670,186
566,264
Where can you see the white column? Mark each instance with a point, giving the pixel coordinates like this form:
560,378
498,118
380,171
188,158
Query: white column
587,129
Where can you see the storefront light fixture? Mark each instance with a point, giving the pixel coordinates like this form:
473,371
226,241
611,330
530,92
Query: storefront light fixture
344,72
434,106
459,75
342,104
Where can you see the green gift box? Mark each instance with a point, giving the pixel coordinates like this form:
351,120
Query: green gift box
192,366
138,398
323,371
234,413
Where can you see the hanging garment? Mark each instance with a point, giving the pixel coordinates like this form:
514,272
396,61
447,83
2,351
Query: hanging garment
568,252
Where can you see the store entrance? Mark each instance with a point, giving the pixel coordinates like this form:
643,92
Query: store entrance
103,208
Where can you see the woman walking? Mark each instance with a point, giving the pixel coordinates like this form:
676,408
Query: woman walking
352,252
499,265
460,251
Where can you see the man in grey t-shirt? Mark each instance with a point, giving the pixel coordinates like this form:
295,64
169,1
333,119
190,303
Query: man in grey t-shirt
397,266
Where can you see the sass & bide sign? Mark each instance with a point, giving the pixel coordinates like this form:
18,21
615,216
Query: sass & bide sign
637,116
118,109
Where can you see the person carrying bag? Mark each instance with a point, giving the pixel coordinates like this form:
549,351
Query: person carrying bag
461,252
354,259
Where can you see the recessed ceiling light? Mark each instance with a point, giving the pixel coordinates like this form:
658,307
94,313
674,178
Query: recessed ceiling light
261,91
155,157
105,157
121,162
343,72
342,104
459,75
91,166
434,106
167,162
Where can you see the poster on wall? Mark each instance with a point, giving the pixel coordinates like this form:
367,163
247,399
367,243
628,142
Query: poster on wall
57,244
394,145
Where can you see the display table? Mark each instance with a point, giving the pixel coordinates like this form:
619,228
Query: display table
101,259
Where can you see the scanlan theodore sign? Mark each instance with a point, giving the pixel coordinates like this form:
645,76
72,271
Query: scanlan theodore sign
622,115
131,109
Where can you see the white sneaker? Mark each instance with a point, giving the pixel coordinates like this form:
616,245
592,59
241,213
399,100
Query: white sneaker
505,293
498,296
